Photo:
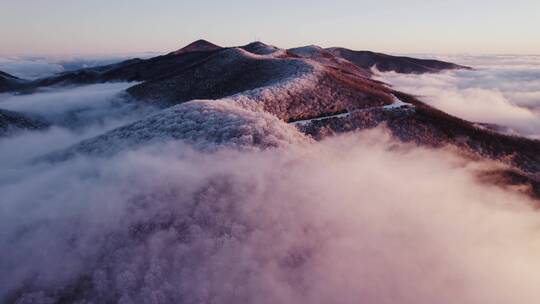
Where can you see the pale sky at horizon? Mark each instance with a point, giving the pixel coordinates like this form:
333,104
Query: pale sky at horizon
56,27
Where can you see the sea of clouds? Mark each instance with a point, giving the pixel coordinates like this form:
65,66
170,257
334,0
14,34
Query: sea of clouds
351,219
502,90
33,67
358,218
75,114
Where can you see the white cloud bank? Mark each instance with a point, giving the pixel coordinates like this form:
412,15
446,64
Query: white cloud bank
71,105
29,67
76,113
348,220
504,90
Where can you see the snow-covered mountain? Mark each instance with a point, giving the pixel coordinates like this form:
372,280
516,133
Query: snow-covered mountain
329,90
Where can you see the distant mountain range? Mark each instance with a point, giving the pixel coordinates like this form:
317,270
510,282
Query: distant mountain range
248,96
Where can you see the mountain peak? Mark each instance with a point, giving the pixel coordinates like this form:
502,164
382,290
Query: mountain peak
200,45
9,82
309,51
260,48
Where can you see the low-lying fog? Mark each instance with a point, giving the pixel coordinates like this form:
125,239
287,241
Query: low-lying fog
503,90
75,113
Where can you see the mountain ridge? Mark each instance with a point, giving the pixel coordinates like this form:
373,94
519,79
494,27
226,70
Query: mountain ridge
399,64
316,93
146,69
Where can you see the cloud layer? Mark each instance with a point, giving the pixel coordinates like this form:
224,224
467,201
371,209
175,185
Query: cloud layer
347,220
71,106
504,90
75,113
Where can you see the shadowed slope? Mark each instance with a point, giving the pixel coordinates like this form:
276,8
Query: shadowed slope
9,82
386,63
286,86
129,70
197,46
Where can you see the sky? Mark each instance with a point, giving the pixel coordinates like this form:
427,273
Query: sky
56,27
